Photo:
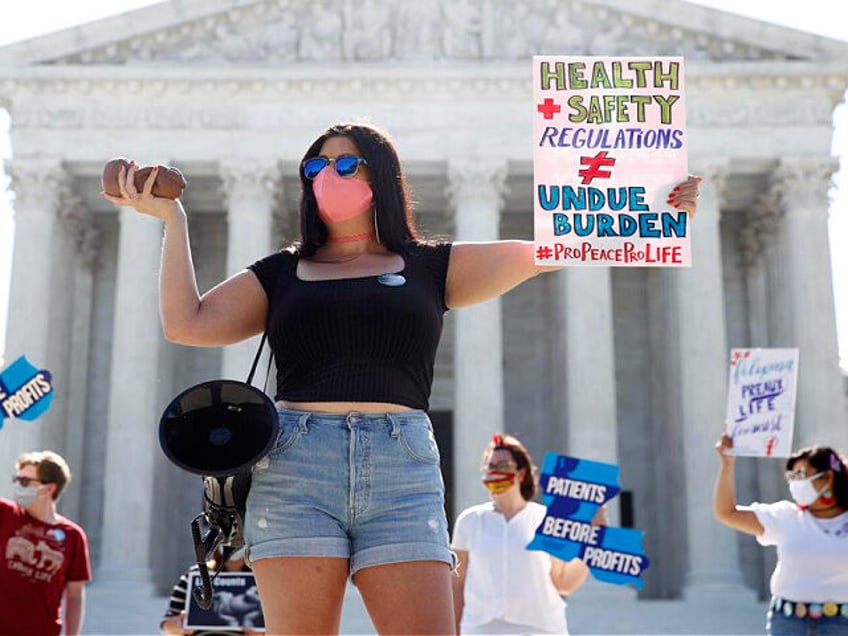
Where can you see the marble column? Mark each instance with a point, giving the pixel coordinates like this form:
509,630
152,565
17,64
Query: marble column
37,186
84,238
476,190
249,190
760,480
802,184
700,308
134,408
585,321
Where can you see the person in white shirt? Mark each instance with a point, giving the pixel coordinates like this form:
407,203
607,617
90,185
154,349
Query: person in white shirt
809,585
500,587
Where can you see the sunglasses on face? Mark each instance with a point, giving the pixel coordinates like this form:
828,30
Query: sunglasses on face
345,165
25,481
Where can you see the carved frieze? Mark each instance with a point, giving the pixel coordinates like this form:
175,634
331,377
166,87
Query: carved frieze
219,105
285,31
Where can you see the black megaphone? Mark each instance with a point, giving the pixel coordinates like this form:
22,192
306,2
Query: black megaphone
218,429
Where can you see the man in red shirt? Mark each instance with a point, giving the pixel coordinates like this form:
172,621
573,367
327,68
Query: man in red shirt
44,555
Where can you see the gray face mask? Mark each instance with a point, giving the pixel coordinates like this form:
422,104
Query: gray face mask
25,495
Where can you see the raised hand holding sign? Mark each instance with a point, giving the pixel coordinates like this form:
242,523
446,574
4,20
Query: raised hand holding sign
574,490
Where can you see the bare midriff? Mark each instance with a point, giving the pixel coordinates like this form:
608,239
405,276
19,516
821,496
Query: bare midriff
344,407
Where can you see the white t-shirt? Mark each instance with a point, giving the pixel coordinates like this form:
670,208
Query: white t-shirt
812,553
505,581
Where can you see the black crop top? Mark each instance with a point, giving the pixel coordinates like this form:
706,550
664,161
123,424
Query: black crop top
356,340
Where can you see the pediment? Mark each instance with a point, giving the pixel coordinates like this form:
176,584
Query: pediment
273,32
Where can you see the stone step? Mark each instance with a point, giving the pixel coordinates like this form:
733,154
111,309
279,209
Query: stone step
126,609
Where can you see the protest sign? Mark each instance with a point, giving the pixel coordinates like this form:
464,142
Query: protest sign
761,401
26,392
573,490
235,604
609,146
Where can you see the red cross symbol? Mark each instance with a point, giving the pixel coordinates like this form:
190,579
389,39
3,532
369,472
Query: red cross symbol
548,108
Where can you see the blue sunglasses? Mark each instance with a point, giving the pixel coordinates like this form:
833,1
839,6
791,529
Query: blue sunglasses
345,165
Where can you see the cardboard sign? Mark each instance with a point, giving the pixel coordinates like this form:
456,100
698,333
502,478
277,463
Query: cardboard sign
761,401
609,146
26,392
573,489
235,604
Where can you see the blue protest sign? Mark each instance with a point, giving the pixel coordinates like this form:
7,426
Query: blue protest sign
26,392
573,489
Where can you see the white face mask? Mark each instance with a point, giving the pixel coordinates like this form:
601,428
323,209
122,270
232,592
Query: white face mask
803,491
25,495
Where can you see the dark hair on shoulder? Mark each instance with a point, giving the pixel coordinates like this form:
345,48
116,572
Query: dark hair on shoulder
394,215
522,458
823,458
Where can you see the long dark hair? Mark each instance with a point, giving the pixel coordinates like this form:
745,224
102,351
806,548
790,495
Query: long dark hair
823,458
522,458
394,216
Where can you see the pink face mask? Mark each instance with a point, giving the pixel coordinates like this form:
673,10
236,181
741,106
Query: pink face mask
340,199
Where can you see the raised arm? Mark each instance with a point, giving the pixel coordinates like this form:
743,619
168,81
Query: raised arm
724,496
230,312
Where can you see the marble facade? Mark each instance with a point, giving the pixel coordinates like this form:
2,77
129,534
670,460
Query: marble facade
626,366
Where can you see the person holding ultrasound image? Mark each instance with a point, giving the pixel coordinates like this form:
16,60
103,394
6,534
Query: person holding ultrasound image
174,620
354,313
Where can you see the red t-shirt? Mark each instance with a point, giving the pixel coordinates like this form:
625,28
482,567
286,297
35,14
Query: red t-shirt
39,560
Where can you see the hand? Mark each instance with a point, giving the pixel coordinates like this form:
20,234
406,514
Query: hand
685,195
600,518
173,625
725,443
143,201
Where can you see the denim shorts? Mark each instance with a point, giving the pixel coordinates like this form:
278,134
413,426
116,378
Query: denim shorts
362,486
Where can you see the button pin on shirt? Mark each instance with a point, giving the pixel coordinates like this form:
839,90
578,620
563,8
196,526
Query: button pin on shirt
391,280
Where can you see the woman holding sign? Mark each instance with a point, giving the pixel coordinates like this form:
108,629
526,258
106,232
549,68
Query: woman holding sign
809,585
500,587
354,313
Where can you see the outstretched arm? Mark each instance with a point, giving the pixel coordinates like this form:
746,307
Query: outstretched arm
481,271
230,312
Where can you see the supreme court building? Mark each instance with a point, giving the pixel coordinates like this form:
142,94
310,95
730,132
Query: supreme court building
622,365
